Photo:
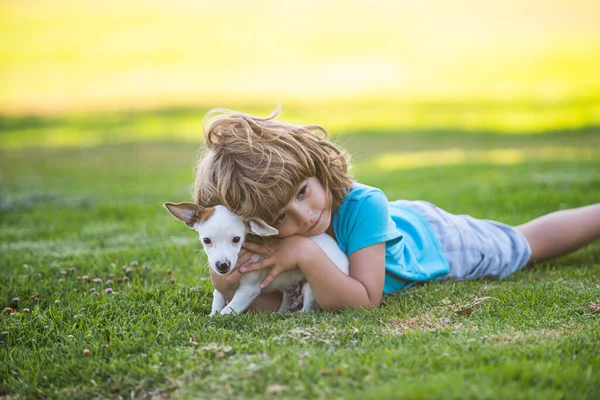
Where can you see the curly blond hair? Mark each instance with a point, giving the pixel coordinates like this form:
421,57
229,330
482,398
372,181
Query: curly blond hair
254,165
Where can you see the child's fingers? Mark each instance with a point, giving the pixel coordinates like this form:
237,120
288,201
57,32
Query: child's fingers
234,276
272,275
225,284
245,255
255,266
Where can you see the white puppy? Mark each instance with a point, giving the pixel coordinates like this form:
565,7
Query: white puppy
222,234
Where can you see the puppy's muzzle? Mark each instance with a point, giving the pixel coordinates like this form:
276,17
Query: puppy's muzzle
222,267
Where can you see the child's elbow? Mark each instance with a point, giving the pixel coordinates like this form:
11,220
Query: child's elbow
351,305
375,303
370,303
375,300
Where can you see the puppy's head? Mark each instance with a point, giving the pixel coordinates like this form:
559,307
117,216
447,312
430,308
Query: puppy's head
221,232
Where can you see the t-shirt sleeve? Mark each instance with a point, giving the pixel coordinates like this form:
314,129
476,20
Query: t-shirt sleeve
372,223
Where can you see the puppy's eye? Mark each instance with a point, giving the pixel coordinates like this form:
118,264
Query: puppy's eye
206,240
236,239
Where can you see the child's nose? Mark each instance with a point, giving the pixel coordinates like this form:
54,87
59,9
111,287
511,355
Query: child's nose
306,216
303,214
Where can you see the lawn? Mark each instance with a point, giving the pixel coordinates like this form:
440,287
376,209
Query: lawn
95,210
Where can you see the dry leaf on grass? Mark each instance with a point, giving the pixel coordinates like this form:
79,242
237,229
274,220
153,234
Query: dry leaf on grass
464,311
468,310
326,372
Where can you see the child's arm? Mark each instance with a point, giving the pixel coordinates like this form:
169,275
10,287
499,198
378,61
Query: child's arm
332,288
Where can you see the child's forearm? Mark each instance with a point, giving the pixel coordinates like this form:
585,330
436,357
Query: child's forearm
332,288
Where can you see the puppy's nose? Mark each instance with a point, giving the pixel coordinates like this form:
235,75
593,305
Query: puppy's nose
222,266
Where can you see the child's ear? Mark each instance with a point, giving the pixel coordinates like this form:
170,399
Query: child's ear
261,228
189,213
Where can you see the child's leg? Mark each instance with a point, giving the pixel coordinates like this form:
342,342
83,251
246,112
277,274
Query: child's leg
561,232
267,301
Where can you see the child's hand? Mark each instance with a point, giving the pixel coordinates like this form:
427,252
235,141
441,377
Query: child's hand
227,284
281,255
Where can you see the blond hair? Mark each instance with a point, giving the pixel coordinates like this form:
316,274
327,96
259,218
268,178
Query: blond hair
254,165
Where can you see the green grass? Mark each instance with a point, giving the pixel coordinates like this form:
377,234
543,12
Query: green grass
99,208
344,118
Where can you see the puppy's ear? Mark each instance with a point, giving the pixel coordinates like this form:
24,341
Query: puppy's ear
189,213
261,228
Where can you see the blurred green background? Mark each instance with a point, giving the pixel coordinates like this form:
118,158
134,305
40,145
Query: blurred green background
75,73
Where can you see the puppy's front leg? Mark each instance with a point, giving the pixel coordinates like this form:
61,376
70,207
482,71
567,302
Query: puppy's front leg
218,303
243,297
309,303
286,303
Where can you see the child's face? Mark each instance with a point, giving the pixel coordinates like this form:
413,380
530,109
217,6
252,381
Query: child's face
308,213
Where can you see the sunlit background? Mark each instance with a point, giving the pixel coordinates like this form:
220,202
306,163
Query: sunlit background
506,66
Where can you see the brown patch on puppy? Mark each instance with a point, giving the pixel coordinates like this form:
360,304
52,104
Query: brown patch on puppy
189,213
206,214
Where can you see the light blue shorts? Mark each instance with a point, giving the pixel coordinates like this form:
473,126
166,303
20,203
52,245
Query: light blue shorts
476,248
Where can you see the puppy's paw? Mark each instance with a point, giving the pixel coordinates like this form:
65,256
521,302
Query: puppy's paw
310,308
213,313
227,311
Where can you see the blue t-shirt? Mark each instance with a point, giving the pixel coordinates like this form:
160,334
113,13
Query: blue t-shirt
412,252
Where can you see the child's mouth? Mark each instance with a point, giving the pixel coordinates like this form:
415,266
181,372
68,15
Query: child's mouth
316,222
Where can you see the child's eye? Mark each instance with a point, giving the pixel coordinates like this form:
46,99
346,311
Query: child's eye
236,239
206,240
279,219
302,191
